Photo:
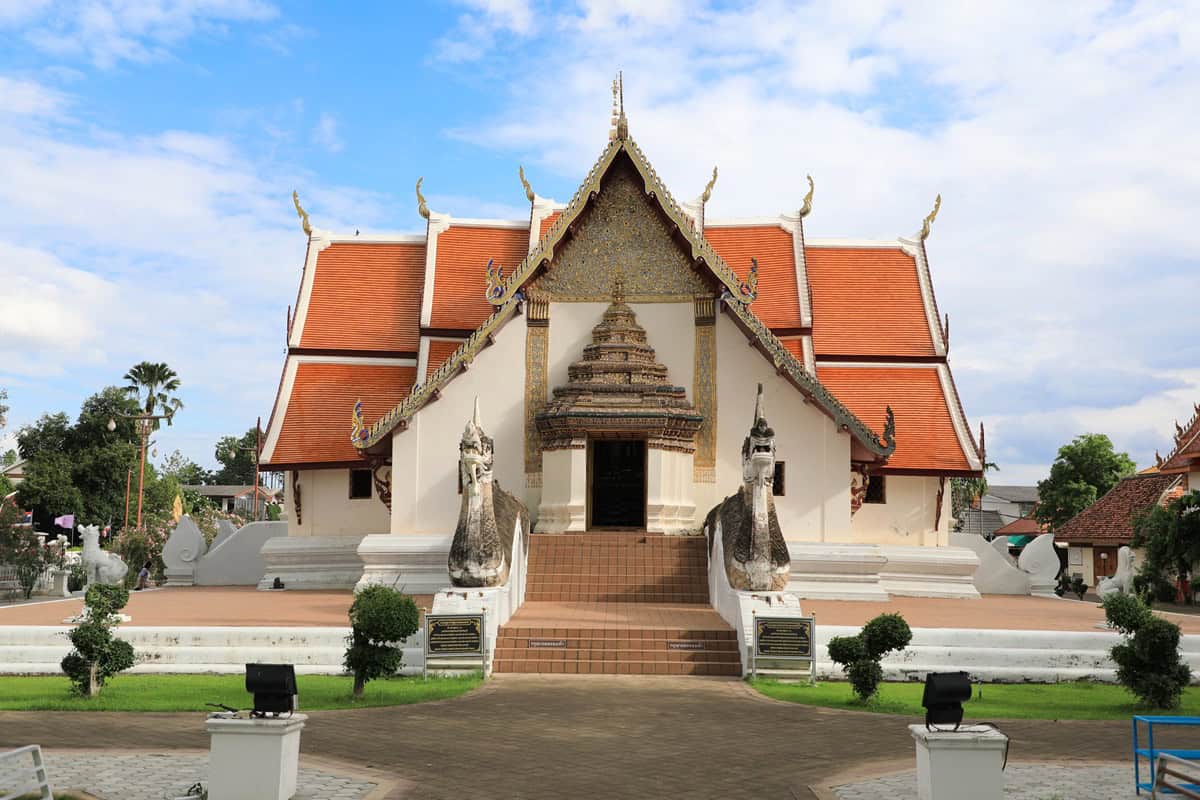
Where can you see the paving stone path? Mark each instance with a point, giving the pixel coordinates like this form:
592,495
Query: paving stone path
588,736
165,776
1021,782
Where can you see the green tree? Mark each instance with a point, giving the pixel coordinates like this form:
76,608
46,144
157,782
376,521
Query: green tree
48,489
97,654
20,549
184,470
1148,661
236,456
380,619
1169,539
3,408
1085,469
9,458
859,655
157,381
47,435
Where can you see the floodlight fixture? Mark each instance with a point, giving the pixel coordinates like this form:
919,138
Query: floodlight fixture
273,687
945,692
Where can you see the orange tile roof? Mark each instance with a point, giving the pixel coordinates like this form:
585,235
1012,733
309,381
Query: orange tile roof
366,296
778,303
925,437
796,347
548,221
1022,526
1186,452
1110,519
461,279
439,351
866,301
316,427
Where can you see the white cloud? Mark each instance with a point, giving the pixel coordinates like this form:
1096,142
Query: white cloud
1061,137
107,32
27,98
479,28
325,133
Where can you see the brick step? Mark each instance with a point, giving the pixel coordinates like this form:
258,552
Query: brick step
667,583
586,654
627,633
596,640
682,598
586,667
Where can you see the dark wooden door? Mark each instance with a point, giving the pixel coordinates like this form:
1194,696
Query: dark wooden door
618,483
1104,562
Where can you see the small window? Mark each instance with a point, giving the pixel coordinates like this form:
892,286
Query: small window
360,484
876,489
778,483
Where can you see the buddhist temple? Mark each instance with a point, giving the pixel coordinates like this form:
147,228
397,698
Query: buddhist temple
616,345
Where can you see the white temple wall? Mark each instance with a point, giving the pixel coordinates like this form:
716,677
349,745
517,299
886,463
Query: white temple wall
908,515
816,503
1193,481
327,510
669,330
425,498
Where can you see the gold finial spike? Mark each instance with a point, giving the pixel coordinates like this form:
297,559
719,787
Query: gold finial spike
622,122
807,207
612,130
422,208
937,204
307,228
529,195
709,187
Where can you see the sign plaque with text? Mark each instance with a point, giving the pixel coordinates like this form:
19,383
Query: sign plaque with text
454,634
783,638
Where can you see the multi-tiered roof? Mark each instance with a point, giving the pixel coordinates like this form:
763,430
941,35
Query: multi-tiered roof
853,324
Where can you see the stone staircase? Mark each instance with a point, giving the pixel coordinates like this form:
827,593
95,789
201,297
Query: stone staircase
617,603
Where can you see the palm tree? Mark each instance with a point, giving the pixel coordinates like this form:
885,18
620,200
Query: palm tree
158,381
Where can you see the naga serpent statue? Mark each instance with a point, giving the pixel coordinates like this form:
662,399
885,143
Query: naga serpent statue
483,539
756,555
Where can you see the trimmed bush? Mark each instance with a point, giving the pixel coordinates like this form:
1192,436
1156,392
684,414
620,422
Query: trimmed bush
1148,661
97,654
859,655
380,619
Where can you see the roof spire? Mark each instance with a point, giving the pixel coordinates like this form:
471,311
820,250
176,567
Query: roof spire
807,207
620,123
304,225
529,195
937,204
618,290
422,209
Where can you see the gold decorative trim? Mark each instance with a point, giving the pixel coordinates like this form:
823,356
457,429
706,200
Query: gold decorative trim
709,187
537,309
422,208
704,391
808,198
537,348
533,480
529,195
937,205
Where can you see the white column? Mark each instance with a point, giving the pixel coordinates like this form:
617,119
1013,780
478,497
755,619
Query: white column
564,491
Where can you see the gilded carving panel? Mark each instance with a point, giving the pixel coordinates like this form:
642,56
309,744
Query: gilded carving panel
622,233
537,339
704,397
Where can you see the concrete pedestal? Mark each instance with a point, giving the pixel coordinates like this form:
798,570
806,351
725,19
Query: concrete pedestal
967,764
254,759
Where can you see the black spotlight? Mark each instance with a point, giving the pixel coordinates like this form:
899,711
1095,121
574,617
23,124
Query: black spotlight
273,687
945,692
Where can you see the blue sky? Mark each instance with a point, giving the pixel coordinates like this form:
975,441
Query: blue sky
148,151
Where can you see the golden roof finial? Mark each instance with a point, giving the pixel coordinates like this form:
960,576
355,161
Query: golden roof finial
807,207
619,106
616,116
709,187
422,209
937,204
529,195
307,228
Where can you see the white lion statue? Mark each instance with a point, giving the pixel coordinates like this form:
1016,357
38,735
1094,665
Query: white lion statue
102,566
1122,580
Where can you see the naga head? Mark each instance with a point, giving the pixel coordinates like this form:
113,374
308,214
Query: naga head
475,453
758,449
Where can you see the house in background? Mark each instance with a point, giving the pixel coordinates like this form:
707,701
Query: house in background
1010,502
1094,534
1021,532
981,522
15,472
236,499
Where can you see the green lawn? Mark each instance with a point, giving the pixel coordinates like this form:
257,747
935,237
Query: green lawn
990,702
191,692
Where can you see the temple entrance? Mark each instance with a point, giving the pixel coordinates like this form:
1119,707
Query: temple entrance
618,484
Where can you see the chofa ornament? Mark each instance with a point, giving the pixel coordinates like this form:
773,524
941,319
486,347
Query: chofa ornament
358,428
748,289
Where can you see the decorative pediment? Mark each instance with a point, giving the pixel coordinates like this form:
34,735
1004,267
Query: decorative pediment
621,233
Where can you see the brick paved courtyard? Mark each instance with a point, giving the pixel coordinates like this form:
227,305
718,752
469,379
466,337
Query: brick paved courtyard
542,736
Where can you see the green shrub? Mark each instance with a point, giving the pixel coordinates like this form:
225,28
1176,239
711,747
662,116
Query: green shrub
859,655
76,577
97,654
1148,661
380,618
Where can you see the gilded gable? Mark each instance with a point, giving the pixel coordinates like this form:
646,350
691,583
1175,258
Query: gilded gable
621,232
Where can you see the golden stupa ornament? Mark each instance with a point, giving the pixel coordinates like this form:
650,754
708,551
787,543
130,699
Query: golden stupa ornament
529,195
937,204
807,207
304,225
422,208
